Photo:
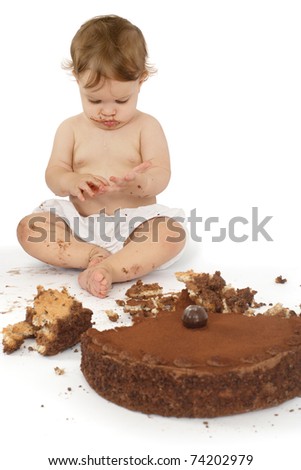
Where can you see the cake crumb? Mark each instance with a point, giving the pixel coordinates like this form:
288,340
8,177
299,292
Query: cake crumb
112,316
280,280
279,310
59,371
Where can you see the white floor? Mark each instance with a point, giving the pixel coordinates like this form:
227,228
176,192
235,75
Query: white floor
47,415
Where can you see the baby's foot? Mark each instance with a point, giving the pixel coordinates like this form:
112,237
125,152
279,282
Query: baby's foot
96,279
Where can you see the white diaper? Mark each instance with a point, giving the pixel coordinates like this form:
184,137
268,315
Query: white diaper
110,232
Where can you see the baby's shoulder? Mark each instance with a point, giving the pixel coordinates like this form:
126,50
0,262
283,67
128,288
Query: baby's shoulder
147,120
70,127
72,122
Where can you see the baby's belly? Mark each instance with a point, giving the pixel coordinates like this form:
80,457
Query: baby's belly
109,204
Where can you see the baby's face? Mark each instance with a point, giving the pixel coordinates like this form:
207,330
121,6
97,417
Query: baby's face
111,104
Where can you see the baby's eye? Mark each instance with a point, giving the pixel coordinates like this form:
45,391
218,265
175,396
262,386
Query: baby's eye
121,101
95,101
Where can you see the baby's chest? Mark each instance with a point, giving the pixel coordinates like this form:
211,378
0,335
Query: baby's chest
106,150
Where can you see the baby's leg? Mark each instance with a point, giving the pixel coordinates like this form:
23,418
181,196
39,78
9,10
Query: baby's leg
152,244
49,239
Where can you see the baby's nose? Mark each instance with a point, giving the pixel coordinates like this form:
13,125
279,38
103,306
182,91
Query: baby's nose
108,112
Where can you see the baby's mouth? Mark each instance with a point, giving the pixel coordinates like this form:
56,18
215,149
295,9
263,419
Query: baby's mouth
105,122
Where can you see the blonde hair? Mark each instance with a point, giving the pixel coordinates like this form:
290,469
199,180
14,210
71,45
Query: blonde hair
109,47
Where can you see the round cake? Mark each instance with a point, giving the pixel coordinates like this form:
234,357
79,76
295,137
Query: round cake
236,363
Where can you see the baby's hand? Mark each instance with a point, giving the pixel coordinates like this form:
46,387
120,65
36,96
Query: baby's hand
120,183
85,185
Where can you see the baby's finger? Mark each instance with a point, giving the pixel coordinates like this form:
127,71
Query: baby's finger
95,187
102,189
130,176
79,195
116,180
100,179
87,188
142,167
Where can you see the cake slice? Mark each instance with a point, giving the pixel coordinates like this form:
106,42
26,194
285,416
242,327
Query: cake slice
56,321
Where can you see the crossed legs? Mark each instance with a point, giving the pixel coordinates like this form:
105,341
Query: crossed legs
152,244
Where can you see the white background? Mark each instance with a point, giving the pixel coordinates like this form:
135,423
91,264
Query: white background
227,93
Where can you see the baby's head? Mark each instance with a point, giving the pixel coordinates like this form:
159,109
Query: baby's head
109,47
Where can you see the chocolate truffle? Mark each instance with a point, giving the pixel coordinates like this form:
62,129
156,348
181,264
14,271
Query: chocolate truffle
194,316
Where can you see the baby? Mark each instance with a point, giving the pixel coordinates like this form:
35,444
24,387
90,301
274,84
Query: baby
111,160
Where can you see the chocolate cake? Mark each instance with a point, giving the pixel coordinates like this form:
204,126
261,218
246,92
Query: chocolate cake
56,321
237,362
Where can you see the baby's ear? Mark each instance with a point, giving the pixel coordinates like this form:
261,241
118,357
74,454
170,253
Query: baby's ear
143,77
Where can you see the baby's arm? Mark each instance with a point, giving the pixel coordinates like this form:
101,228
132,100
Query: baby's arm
60,177
152,176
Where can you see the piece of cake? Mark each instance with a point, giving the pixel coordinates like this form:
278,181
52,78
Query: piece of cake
14,335
146,300
56,321
211,292
139,290
239,362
